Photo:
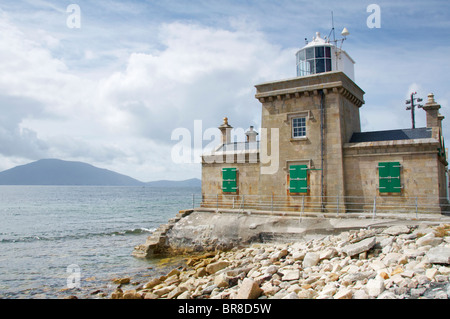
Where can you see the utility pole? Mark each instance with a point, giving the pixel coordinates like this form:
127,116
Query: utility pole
411,107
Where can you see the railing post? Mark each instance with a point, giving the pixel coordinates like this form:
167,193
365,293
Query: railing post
337,205
193,201
417,208
374,207
271,205
303,206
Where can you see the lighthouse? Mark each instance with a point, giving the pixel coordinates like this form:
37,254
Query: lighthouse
322,55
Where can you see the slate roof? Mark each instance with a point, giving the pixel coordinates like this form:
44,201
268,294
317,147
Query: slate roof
238,146
391,135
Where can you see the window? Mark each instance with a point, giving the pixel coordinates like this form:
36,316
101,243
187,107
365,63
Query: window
229,180
389,177
299,127
298,179
313,60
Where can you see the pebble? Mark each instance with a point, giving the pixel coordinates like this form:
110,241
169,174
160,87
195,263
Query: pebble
389,263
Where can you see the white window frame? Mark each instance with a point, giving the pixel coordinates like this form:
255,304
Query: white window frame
302,127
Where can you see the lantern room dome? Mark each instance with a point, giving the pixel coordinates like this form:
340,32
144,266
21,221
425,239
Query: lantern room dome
320,56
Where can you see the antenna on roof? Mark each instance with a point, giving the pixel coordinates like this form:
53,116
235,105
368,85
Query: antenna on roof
344,33
332,28
411,107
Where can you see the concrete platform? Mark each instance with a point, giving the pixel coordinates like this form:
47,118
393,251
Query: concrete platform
208,229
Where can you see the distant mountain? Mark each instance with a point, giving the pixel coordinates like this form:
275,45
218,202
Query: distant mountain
58,172
193,182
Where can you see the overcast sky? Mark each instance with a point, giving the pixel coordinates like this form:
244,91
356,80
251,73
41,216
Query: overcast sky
111,92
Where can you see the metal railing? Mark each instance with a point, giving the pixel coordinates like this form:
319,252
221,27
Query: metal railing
325,204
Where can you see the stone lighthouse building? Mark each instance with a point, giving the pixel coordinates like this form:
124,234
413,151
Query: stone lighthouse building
312,155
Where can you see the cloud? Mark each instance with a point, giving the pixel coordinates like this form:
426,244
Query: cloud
112,92
202,73
126,118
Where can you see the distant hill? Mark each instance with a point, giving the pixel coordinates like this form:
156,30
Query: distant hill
58,172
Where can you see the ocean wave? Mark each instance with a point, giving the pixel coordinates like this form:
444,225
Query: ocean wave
26,239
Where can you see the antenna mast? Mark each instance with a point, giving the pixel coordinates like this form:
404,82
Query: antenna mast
412,106
332,28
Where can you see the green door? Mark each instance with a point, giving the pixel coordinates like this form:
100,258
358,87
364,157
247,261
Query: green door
298,179
229,184
389,177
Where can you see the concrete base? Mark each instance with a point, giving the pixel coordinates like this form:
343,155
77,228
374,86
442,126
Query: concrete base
203,230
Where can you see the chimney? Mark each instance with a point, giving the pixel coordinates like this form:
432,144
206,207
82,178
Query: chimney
251,135
434,119
225,129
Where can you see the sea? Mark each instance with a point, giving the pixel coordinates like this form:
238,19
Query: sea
72,241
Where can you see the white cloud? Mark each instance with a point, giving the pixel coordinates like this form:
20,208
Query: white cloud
126,119
112,92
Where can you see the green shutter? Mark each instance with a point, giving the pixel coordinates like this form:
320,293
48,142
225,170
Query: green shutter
229,184
298,179
389,177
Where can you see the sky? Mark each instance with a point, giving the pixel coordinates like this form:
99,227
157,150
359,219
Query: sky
113,83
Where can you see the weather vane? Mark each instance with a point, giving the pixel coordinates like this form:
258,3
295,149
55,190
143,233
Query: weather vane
411,107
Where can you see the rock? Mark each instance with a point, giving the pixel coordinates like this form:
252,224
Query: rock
328,254
173,272
221,280
329,290
417,292
208,289
150,295
359,247
298,255
444,270
387,295
441,295
269,289
439,255
121,281
152,283
431,273
397,230
277,255
216,266
131,294
344,293
383,275
201,272
272,269
164,290
311,259
360,294
375,287
291,274
176,292
429,240
118,294
306,294
292,295
248,290
396,271
408,273
392,258
184,295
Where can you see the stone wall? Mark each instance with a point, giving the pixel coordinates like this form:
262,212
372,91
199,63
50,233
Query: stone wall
421,172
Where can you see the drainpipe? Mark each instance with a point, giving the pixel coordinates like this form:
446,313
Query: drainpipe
322,147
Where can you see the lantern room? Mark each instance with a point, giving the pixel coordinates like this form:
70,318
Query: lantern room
320,56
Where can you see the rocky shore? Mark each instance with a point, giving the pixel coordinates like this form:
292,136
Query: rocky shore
397,262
